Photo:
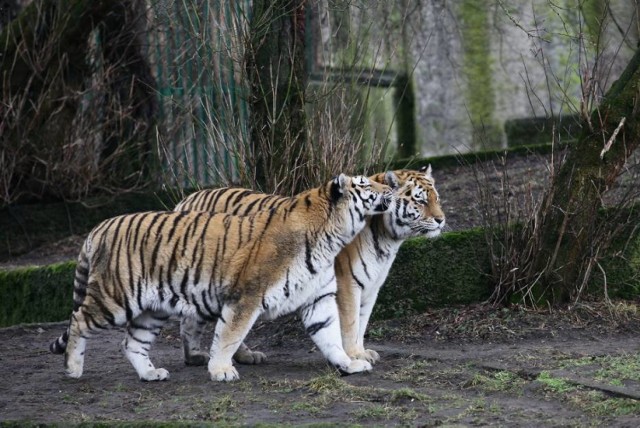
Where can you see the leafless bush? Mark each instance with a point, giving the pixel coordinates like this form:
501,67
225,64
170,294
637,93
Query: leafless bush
74,117
511,212
513,218
337,134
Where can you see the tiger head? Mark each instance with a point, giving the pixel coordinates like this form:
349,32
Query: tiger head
368,197
416,210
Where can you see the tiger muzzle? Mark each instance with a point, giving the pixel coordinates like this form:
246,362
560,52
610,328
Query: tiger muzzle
385,202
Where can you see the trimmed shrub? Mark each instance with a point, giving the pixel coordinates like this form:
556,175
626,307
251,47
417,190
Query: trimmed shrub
467,158
620,269
539,130
427,273
36,294
450,270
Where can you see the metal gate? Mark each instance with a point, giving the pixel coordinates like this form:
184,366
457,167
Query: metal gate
195,48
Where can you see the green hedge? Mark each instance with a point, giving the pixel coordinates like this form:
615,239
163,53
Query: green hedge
36,294
448,270
437,272
620,269
537,130
27,226
438,162
452,269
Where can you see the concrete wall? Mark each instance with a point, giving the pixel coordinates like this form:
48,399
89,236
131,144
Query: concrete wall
477,64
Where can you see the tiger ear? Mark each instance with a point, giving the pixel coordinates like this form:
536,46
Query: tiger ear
338,187
426,170
391,180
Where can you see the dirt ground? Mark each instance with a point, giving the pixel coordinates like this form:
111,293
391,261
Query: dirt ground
468,366
461,366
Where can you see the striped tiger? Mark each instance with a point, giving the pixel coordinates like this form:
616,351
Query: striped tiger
139,269
361,267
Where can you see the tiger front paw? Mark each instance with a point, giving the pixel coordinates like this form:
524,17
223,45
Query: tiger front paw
356,366
155,375
247,356
224,374
368,355
73,372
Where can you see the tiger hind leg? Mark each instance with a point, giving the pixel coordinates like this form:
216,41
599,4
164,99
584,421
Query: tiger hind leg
142,331
83,325
191,329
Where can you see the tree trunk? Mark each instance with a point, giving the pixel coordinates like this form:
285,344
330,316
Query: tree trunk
276,69
569,213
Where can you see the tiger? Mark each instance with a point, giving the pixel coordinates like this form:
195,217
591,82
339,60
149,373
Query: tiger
138,270
361,267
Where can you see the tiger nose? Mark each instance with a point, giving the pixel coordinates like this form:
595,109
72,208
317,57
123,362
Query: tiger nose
440,221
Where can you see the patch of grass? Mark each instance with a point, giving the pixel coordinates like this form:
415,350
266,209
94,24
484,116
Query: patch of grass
386,412
378,411
554,384
613,369
310,407
477,407
373,403
222,409
619,368
328,382
502,381
278,386
597,403
141,408
418,371
408,394
423,372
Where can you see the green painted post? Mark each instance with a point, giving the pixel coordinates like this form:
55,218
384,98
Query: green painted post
405,105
